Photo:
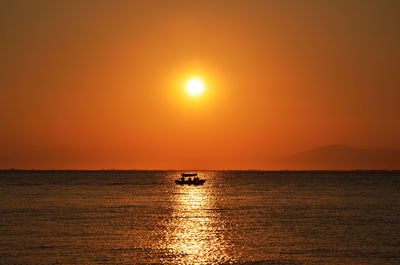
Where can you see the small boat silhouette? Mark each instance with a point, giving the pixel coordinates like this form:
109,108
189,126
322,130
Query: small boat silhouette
195,181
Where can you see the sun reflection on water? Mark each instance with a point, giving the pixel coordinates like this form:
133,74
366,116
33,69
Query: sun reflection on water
194,234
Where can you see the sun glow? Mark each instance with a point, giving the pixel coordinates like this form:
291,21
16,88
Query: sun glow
194,86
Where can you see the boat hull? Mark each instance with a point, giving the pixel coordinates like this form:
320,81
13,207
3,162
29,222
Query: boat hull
186,182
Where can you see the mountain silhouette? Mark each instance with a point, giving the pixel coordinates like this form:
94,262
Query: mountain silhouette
341,157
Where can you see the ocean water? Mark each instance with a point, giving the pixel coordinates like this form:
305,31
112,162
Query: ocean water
133,217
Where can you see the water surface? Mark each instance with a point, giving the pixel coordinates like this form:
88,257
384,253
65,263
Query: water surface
133,217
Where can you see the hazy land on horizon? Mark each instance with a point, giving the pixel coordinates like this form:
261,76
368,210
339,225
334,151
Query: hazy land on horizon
330,157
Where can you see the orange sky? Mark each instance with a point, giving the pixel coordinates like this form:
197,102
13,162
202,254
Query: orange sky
99,84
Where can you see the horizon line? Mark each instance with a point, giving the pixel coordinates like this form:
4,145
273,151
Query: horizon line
249,170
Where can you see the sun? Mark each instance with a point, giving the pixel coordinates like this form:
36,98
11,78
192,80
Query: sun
194,86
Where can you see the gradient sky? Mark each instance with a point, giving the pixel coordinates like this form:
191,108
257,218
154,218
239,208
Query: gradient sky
99,84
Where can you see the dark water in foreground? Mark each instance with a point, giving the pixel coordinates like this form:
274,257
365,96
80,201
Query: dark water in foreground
115,217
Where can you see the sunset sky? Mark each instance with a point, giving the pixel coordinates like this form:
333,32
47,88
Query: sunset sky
101,84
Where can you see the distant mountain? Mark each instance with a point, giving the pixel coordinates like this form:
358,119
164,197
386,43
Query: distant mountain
340,157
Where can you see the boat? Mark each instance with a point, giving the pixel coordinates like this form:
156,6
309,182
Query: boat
189,174
195,181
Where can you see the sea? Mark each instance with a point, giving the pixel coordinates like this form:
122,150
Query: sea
236,217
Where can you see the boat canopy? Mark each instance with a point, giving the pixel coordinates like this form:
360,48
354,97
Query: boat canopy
189,175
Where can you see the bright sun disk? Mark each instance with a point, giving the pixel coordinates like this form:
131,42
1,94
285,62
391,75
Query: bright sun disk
194,86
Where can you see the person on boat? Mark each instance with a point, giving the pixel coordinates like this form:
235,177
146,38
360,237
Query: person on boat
190,179
182,179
